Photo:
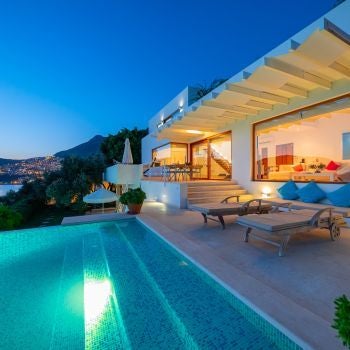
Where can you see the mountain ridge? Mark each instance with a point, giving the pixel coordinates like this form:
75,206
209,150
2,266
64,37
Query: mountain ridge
84,150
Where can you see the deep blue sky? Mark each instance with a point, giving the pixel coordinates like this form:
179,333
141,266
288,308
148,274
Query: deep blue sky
72,69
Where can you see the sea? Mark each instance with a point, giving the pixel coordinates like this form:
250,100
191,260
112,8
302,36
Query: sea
5,188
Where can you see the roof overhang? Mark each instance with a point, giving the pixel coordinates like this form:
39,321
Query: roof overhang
318,68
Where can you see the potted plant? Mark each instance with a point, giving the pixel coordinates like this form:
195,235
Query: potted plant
342,319
133,198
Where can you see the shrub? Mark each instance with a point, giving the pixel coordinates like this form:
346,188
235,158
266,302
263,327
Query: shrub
133,196
342,319
9,219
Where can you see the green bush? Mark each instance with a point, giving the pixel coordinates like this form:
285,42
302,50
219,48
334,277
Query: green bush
9,219
133,196
342,319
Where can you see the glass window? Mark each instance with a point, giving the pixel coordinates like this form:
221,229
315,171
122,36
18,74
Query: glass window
171,153
305,145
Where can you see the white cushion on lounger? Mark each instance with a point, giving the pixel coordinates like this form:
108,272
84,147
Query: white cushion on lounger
278,221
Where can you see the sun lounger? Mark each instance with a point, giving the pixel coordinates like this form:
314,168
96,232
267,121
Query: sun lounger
219,210
281,226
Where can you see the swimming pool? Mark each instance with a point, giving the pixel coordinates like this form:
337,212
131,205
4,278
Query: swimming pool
117,285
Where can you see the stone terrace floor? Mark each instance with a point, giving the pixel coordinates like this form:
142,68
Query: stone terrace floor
297,290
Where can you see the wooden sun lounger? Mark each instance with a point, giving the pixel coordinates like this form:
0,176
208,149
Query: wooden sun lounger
211,210
283,225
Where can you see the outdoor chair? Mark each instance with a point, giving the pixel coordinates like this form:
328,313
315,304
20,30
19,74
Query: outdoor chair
211,211
277,228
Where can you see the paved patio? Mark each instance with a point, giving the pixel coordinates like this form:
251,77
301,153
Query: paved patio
297,290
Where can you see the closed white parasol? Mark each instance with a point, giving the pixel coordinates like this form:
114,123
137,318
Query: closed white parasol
127,155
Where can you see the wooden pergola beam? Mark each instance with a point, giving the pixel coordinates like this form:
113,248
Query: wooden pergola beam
257,93
296,72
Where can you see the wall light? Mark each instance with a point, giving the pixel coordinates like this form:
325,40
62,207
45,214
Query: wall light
266,192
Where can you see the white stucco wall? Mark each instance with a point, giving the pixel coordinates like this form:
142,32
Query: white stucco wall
172,193
124,174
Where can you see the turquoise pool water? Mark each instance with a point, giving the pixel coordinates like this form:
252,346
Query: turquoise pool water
116,285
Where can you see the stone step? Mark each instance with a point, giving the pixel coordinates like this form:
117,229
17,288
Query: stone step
243,198
218,193
213,188
210,183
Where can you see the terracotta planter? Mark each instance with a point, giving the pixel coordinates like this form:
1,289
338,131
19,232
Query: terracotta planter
134,208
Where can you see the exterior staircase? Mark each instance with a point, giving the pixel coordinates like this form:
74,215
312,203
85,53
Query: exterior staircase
225,164
214,191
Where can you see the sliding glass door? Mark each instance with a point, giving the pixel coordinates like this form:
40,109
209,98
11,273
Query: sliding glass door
213,157
199,154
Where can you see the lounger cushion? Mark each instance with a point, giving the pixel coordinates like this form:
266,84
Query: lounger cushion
288,190
341,196
311,193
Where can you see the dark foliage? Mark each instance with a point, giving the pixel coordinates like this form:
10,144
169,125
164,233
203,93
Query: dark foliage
76,178
205,89
342,319
113,146
9,218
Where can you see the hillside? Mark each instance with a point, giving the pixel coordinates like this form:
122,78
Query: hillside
8,161
83,150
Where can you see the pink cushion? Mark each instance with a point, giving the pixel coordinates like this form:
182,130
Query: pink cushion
332,165
298,167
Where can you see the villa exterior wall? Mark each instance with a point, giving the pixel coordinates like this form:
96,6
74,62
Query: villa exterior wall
149,142
172,193
242,137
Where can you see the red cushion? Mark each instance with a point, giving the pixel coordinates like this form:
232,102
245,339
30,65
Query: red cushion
332,165
298,167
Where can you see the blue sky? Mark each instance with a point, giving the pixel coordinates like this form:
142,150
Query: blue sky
73,69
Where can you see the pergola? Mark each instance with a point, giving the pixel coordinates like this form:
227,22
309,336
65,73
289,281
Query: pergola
315,70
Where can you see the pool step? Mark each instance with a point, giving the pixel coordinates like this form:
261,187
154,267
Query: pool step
68,328
140,297
177,323
104,328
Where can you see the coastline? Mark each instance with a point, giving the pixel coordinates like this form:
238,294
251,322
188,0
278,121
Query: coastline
4,188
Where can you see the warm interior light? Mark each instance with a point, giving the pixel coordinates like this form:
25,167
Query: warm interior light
266,192
194,132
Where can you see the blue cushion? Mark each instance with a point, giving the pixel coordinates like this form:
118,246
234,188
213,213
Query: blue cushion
288,190
311,193
341,196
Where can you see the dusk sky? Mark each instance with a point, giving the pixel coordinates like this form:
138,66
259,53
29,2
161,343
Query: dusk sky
73,69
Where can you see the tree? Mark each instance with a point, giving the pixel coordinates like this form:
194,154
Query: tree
30,199
76,178
9,219
113,146
205,89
